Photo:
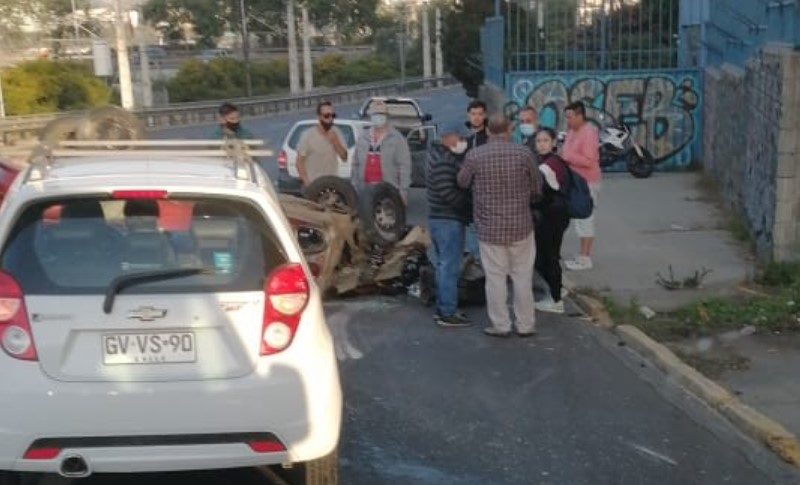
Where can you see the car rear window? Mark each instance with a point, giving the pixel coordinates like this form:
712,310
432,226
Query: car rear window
346,130
399,109
79,246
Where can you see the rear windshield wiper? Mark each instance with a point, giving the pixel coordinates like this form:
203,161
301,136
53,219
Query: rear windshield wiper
126,281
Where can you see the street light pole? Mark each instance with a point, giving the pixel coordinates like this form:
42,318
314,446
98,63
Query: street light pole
2,99
246,49
123,60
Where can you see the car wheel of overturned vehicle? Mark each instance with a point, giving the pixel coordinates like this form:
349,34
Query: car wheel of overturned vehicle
334,192
110,123
643,167
382,213
58,130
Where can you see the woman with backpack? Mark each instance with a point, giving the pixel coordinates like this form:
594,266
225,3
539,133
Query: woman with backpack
551,217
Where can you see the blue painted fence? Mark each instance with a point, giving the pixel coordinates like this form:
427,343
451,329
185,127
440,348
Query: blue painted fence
663,108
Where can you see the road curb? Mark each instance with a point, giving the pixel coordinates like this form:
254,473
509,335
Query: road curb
745,418
592,307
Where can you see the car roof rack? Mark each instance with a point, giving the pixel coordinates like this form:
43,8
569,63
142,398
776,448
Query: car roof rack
240,152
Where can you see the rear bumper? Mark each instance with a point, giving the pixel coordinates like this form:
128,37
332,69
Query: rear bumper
295,396
288,184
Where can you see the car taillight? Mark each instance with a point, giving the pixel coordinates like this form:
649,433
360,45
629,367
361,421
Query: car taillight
16,336
283,159
139,194
286,296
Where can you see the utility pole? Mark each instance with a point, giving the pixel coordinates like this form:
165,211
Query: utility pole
291,32
439,53
248,86
75,24
401,41
308,66
123,61
2,99
426,42
137,21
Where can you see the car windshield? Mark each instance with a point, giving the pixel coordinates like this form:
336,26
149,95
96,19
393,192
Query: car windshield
53,243
346,130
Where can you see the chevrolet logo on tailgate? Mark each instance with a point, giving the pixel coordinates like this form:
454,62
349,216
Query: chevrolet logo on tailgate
147,314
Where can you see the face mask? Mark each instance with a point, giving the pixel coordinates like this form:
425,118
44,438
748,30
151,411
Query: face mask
527,129
460,147
232,126
378,119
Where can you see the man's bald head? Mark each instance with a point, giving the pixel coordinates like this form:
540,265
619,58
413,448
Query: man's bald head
499,125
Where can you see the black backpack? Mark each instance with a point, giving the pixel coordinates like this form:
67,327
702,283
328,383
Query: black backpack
577,195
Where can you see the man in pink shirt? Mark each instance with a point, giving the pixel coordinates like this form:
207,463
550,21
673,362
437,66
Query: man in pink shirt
581,152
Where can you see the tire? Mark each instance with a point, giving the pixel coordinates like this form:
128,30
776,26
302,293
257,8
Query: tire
333,192
58,130
110,123
382,213
643,167
322,471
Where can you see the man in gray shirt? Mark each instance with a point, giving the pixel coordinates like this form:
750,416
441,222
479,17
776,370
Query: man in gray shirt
321,147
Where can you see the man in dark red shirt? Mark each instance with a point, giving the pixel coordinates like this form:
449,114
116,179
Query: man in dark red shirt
504,180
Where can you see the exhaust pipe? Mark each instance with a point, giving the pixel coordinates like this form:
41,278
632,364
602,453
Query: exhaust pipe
74,466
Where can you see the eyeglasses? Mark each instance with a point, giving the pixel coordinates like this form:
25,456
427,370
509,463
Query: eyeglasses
328,116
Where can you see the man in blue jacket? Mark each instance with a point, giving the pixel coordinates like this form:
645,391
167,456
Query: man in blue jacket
449,211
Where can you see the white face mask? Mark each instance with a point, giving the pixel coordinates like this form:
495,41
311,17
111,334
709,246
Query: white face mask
527,129
460,147
378,119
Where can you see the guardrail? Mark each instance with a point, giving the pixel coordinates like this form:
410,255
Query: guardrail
21,129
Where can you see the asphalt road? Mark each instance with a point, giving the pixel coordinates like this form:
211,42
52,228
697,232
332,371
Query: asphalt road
426,405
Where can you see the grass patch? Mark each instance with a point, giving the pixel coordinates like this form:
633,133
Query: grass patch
777,311
714,366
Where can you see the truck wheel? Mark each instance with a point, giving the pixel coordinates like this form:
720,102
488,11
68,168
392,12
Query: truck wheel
382,213
333,192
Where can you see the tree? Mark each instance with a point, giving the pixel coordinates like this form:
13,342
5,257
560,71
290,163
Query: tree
44,86
462,40
209,18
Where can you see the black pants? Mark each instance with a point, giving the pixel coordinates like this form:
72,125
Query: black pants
550,229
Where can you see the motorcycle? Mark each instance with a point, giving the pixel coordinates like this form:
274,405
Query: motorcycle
617,143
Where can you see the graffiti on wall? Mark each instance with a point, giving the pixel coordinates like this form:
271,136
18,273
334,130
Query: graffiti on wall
663,110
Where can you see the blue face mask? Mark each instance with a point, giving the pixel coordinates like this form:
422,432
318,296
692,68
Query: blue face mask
378,119
527,129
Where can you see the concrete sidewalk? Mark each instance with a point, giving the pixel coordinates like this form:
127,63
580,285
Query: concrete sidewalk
644,226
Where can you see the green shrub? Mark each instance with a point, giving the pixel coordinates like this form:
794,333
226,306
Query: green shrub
45,86
224,78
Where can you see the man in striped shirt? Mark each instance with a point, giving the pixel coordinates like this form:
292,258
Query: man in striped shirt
504,182
449,211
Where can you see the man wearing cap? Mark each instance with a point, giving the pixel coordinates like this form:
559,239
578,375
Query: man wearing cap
449,211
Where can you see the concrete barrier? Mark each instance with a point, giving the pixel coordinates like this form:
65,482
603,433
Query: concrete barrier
24,129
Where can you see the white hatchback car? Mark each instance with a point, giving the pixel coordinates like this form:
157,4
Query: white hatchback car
157,314
288,176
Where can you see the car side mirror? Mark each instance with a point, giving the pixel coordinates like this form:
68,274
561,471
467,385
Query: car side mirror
427,117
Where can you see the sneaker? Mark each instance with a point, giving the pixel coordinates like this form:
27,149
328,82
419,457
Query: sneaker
455,320
580,263
530,334
550,306
494,332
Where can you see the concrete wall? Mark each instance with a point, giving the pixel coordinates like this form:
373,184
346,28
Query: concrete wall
662,108
752,146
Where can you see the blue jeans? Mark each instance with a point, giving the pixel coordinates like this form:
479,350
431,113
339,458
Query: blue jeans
448,246
472,243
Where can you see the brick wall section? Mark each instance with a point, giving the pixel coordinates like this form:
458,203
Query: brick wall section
752,148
